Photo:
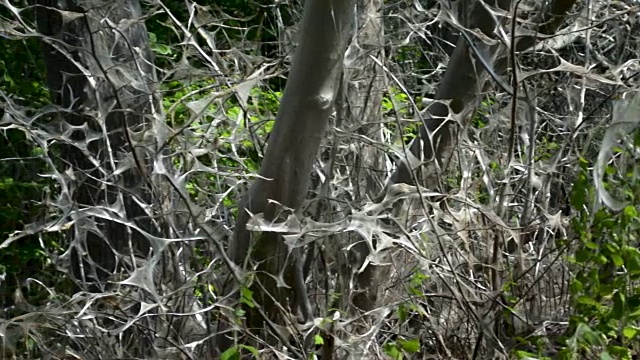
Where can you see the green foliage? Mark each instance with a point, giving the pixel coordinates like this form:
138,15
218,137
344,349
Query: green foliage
158,47
20,185
12,216
393,350
416,283
397,101
246,297
233,133
527,355
605,292
410,346
235,352
546,148
481,116
23,79
396,349
413,56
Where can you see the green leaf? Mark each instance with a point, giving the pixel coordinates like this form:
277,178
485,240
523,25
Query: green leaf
635,313
586,300
410,346
617,260
252,350
576,286
591,245
525,355
402,312
578,196
231,353
392,350
585,334
630,332
565,354
619,305
606,356
632,260
630,212
247,297
619,352
162,49
318,340
582,255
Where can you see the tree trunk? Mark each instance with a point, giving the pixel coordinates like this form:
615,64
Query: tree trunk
99,71
365,88
307,103
462,85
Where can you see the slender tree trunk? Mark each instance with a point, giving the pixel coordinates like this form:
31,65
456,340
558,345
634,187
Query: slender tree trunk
307,103
365,88
462,85
99,71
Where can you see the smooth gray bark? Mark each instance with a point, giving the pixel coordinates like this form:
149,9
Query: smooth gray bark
304,111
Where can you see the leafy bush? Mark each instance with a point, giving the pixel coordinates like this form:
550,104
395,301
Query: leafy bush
605,292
